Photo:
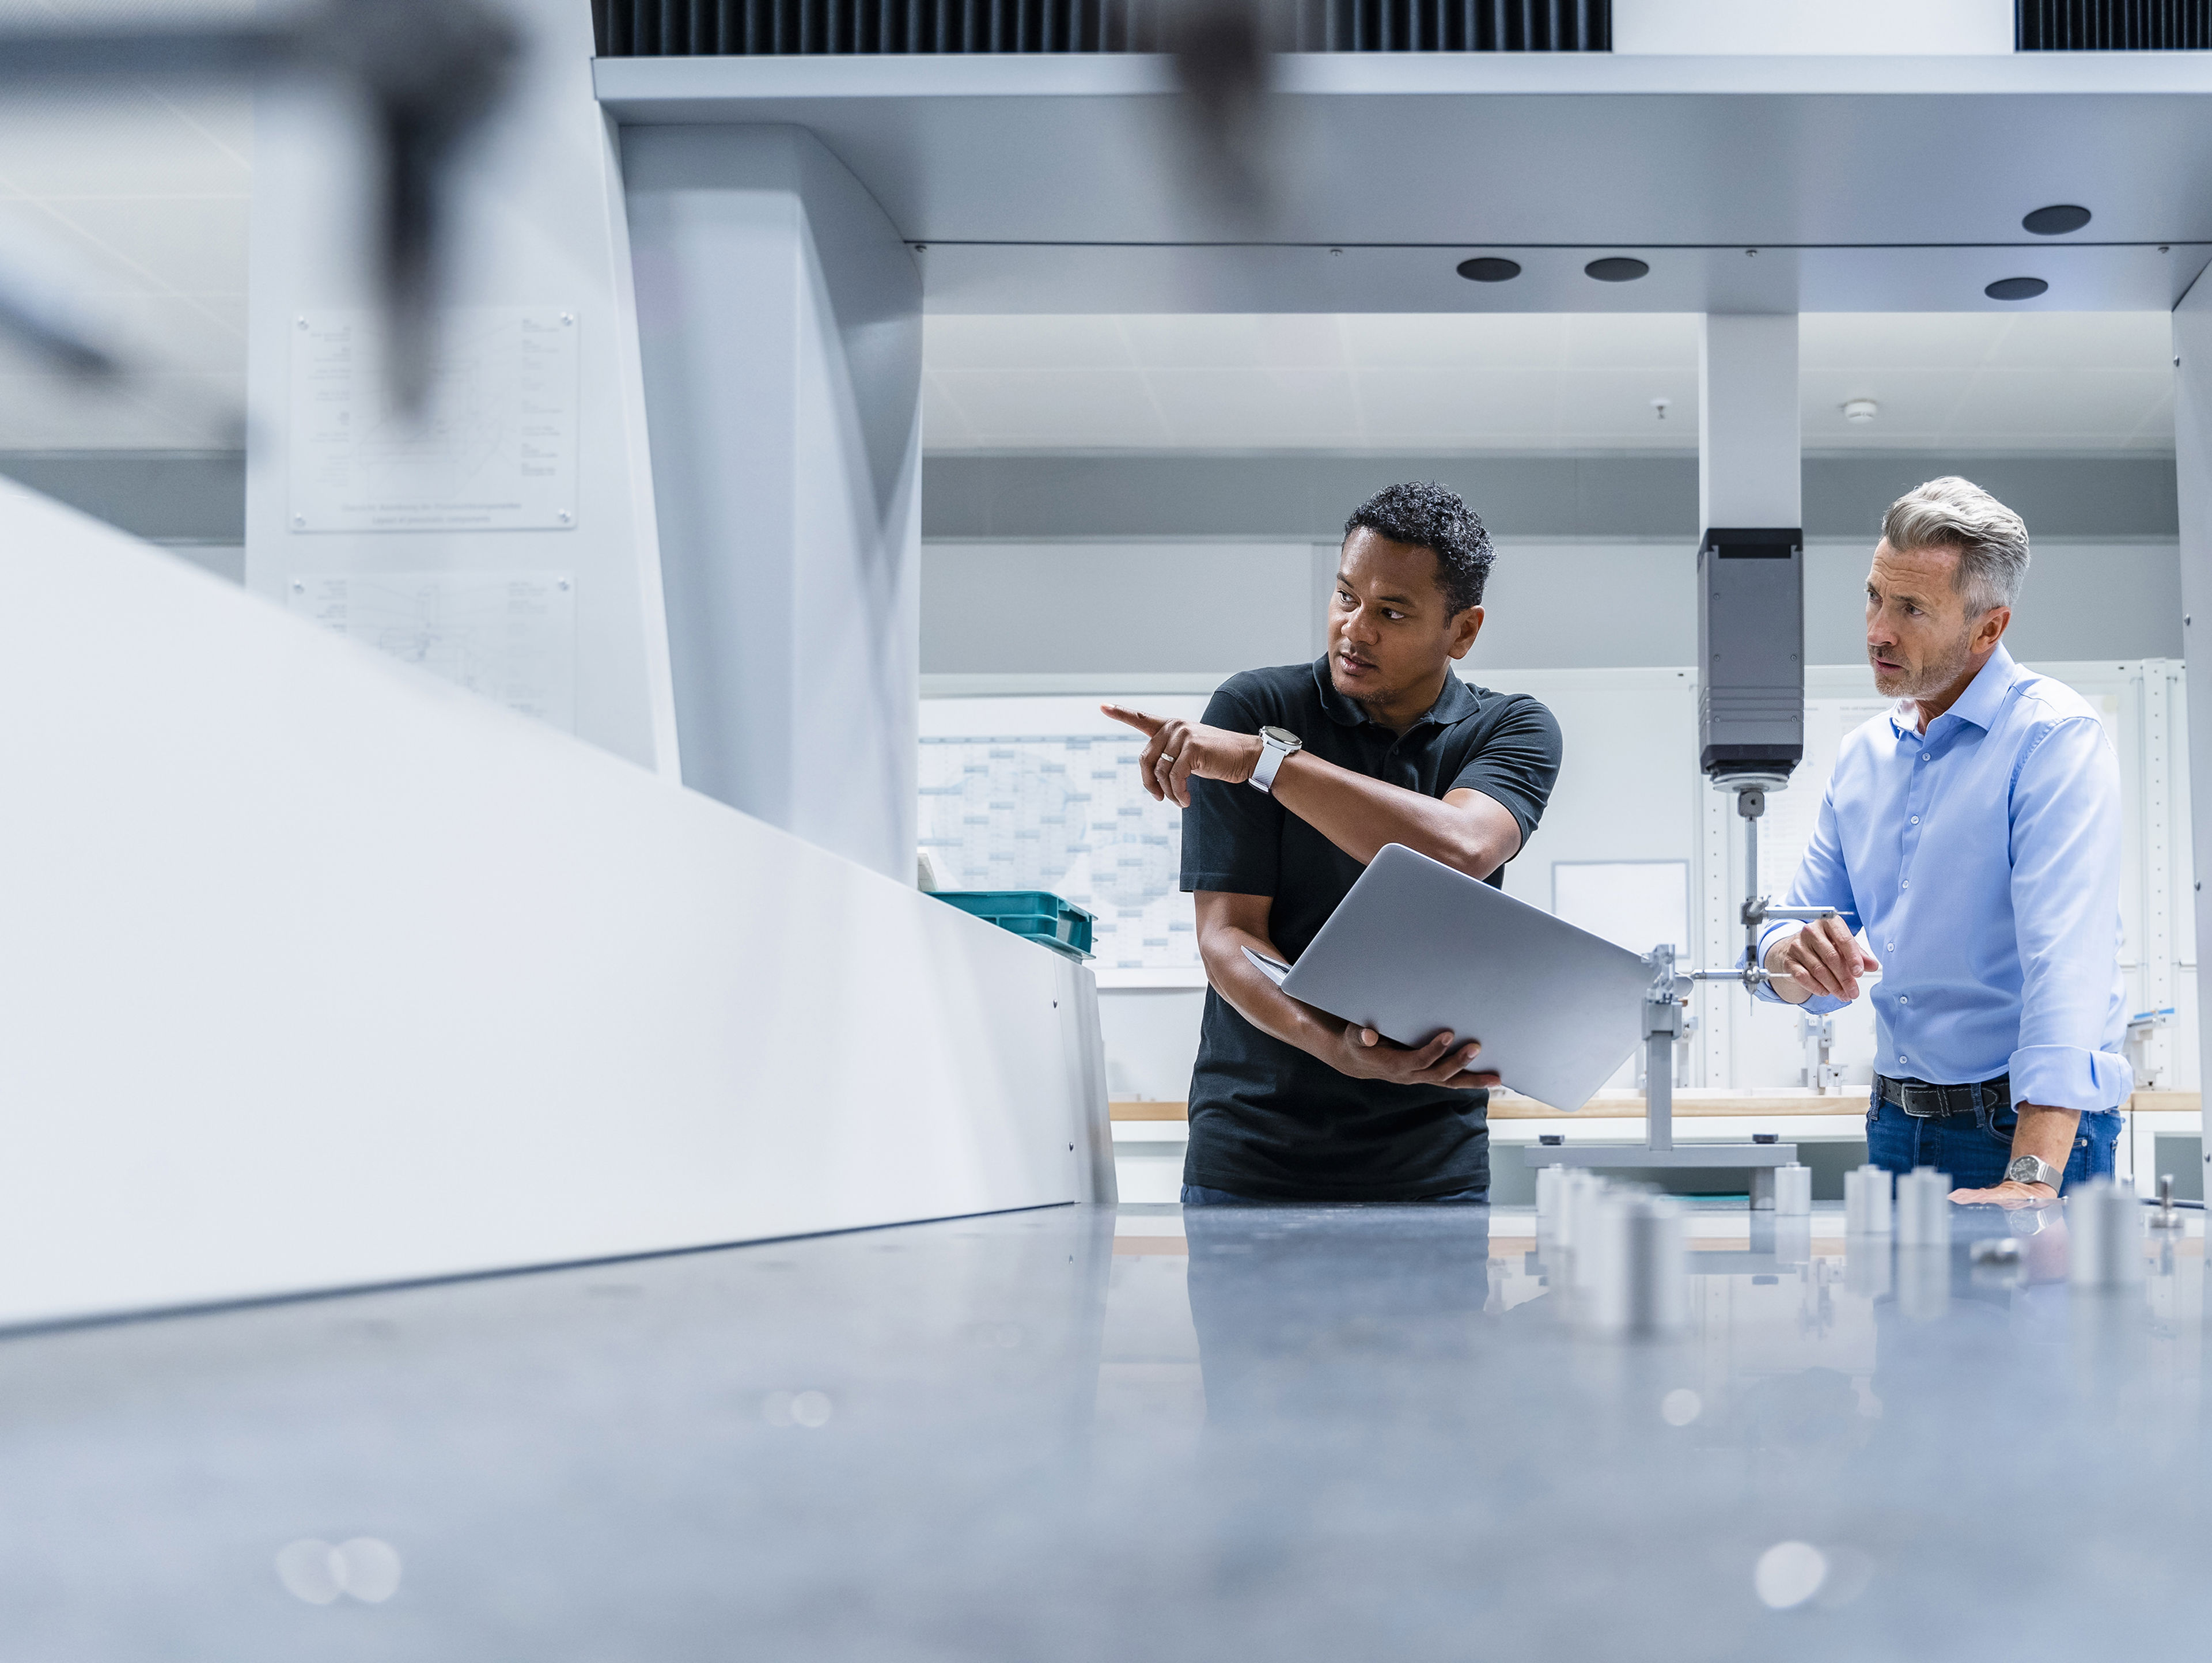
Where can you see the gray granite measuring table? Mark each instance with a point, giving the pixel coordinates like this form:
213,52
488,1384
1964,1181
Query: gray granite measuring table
1340,1433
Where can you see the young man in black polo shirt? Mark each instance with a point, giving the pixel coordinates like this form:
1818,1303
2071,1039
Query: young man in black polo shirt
1293,782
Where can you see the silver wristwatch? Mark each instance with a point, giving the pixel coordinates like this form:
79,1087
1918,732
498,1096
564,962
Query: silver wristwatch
1275,744
2027,1169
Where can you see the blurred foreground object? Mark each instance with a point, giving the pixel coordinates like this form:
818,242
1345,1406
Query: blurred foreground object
427,74
1224,55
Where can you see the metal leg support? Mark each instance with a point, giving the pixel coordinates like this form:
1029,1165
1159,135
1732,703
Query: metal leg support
1662,1020
1662,1024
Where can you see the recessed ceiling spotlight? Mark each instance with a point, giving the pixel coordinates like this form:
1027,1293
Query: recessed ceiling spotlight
1489,269
1615,268
2057,220
1861,410
2016,289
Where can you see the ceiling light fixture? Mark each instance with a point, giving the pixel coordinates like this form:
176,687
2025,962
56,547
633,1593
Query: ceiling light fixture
1615,268
2016,289
1489,269
1861,410
1659,407
2057,220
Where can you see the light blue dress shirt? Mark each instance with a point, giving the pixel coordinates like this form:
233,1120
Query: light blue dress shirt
1982,858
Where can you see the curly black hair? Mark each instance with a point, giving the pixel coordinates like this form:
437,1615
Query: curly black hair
1430,517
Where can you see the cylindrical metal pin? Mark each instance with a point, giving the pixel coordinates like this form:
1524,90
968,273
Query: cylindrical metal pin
1639,1282
1577,1193
2104,1236
1793,1190
1924,1207
1867,1201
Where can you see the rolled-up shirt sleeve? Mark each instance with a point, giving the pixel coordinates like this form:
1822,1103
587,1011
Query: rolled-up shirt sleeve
1822,880
2066,845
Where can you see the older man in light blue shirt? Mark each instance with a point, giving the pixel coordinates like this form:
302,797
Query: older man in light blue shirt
1973,833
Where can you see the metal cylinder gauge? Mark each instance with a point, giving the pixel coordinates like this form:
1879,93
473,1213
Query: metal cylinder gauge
2104,1236
1923,1209
1867,1201
1638,1276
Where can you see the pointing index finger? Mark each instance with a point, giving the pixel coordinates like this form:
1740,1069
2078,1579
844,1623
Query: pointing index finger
1135,719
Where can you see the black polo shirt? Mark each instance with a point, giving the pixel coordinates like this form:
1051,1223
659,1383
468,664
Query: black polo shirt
1267,1120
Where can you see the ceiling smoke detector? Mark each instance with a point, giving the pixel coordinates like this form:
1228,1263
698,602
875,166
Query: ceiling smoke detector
1860,410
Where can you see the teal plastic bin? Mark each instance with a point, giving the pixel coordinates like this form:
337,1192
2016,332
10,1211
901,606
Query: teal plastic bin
1031,913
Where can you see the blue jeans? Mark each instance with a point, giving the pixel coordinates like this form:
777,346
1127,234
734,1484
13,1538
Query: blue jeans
1197,1195
1975,1148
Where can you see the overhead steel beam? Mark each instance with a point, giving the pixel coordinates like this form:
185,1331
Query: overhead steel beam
1044,183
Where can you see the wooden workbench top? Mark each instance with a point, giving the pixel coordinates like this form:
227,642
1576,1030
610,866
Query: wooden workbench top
1510,1106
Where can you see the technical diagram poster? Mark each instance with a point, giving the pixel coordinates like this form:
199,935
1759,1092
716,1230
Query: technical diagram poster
495,450
510,636
1064,812
1043,793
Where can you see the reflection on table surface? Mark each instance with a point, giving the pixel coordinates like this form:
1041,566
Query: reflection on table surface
1297,1432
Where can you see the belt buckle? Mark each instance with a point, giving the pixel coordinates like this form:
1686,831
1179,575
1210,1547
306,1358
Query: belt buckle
1924,1102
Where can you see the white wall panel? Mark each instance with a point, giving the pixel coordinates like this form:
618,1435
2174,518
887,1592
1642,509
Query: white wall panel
780,326
315,971
535,221
2193,441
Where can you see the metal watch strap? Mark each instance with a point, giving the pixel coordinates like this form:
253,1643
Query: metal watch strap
2032,1170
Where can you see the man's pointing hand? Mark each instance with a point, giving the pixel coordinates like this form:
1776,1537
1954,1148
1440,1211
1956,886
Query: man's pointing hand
1175,750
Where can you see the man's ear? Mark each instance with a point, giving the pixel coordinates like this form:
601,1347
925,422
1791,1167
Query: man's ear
1990,630
1466,626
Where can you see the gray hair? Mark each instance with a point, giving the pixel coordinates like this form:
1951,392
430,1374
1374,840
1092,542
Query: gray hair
1956,513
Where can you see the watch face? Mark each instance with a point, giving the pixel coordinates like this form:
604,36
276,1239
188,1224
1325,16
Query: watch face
1282,736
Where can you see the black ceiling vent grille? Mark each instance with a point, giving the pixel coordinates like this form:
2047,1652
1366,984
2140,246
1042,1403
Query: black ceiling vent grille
2113,25
791,28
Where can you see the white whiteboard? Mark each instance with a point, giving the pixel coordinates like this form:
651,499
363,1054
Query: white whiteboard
1636,904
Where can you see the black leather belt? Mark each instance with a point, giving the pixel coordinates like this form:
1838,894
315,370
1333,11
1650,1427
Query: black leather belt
1924,1101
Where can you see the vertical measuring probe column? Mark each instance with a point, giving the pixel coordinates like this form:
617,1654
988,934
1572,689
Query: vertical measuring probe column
1749,805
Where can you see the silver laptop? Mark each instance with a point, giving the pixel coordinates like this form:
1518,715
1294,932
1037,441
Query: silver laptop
1417,947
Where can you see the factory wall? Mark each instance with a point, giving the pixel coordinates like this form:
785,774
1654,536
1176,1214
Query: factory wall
780,322
1182,606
